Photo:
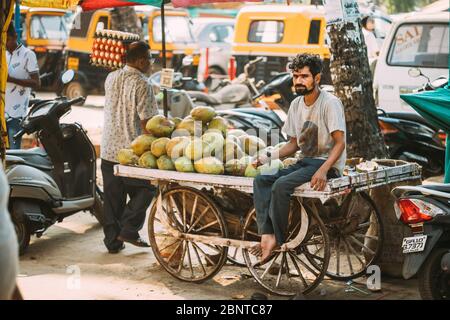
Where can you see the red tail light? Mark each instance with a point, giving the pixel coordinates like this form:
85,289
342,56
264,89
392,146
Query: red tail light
232,68
443,137
411,213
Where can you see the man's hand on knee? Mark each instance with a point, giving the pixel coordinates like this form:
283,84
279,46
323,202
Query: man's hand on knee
319,179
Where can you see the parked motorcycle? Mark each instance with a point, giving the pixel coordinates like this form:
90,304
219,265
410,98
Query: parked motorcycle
51,183
231,94
410,137
426,209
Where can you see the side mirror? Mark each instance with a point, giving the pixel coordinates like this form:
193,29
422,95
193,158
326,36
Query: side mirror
187,61
414,72
67,76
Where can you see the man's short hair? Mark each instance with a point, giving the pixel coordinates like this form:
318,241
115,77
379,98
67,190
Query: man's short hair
137,50
366,19
11,30
313,61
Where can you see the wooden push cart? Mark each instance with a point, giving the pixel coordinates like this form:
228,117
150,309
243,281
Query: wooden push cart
199,221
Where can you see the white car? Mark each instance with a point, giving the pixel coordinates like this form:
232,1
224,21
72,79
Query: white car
417,41
216,35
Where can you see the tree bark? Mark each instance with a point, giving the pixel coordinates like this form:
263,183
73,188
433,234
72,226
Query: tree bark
125,19
352,81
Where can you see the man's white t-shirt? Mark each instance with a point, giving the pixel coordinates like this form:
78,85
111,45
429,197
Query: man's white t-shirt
313,125
21,64
371,43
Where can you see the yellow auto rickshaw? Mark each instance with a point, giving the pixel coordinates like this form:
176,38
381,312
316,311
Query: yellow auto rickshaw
45,30
179,44
279,32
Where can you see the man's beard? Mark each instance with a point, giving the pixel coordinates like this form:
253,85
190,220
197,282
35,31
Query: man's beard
303,91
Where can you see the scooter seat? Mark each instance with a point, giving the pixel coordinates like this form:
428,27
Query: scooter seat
203,97
34,157
438,187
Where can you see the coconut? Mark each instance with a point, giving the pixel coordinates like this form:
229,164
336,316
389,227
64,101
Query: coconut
160,126
203,114
142,143
159,147
127,157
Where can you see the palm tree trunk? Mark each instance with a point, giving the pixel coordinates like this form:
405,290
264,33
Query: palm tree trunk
352,82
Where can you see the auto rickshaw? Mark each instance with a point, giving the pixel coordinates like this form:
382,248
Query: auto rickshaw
179,44
279,32
44,30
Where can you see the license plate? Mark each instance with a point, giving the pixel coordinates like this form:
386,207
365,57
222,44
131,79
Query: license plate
414,244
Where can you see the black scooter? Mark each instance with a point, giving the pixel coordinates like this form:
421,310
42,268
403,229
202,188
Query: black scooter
408,136
51,183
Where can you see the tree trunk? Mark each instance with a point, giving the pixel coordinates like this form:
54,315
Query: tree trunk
352,82
125,19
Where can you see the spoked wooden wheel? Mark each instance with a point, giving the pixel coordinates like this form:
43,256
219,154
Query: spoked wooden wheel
236,256
356,237
190,212
297,270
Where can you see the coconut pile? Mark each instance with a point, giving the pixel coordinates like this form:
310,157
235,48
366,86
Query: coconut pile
199,143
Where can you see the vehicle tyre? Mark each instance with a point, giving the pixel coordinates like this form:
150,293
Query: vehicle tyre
22,232
434,283
74,90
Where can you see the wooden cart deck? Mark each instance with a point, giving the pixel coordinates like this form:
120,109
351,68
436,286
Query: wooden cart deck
357,181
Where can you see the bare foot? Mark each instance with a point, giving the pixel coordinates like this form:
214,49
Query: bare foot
256,250
268,244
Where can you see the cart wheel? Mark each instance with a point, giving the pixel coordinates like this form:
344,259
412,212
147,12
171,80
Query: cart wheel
356,237
291,272
236,256
190,212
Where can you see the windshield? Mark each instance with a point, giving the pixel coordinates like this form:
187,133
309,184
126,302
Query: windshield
178,29
49,27
420,45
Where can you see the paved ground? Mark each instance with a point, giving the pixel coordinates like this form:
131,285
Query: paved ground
50,269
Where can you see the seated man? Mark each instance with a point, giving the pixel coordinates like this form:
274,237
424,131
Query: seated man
316,127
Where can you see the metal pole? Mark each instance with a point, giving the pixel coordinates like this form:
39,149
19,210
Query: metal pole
17,24
164,61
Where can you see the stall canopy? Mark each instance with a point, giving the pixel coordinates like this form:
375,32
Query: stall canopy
435,107
99,4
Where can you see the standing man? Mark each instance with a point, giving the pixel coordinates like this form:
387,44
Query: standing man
23,75
316,127
369,37
129,103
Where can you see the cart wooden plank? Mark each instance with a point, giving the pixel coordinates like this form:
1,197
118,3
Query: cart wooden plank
402,171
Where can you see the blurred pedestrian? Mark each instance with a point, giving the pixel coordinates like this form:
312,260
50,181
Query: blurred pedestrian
23,75
368,24
129,104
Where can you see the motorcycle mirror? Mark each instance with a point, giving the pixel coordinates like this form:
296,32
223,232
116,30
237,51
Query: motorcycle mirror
187,61
414,72
67,76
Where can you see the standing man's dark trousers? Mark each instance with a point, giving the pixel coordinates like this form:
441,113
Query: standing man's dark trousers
122,218
272,194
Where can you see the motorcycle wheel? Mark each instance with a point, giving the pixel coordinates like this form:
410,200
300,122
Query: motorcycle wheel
434,283
74,90
98,210
23,234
